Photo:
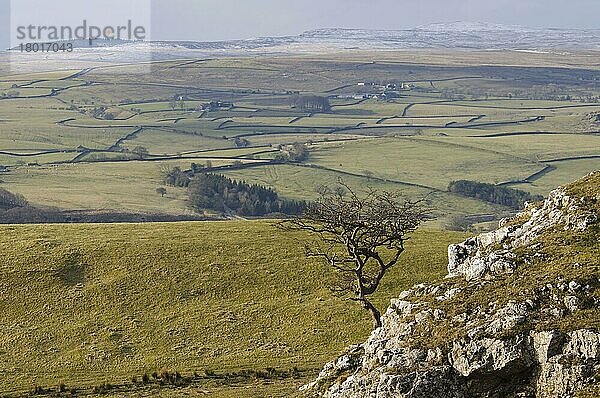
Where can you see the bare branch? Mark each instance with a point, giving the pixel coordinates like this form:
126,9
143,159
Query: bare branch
364,236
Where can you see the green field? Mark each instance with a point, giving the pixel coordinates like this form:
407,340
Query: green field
235,305
464,120
88,304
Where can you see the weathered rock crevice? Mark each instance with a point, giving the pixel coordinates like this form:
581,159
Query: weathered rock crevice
437,341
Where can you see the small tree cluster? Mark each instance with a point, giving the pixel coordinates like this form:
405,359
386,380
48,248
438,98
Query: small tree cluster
101,112
176,178
140,151
311,103
241,142
294,153
513,198
216,192
208,191
199,168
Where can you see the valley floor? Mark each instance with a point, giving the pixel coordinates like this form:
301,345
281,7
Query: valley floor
101,137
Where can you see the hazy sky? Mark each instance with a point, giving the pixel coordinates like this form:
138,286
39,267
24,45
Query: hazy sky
207,20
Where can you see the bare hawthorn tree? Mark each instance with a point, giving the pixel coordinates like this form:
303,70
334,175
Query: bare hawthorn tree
360,237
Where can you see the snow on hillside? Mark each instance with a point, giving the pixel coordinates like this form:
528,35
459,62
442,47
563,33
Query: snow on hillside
456,35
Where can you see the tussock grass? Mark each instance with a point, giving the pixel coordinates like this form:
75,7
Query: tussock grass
87,304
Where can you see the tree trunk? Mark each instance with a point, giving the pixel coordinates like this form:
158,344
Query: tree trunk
375,314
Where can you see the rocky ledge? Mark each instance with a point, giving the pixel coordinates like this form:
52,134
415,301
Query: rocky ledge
518,315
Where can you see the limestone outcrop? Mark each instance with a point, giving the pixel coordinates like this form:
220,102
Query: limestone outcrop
516,317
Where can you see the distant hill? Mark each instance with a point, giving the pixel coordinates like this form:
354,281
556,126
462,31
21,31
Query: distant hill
457,35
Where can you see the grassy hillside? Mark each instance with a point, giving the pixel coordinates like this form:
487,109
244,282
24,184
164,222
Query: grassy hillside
88,304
